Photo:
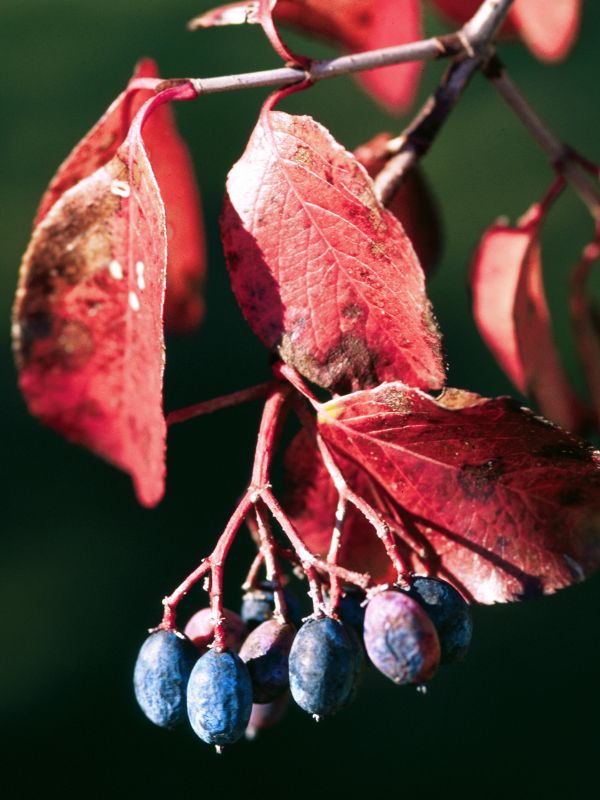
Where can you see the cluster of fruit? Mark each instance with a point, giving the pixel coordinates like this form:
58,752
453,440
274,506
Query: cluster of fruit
407,634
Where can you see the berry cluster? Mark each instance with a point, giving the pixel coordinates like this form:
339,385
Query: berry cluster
407,633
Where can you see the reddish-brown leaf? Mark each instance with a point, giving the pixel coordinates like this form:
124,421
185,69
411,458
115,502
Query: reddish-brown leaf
511,313
413,203
322,272
88,314
355,25
311,502
174,173
549,29
586,321
509,503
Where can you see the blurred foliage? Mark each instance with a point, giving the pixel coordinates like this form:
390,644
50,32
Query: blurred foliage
82,568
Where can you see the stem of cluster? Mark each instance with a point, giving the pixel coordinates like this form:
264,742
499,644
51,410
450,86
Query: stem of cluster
217,403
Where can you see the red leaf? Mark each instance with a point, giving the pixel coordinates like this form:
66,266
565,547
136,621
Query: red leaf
413,203
322,272
509,503
511,313
311,502
355,25
88,314
548,29
586,321
174,173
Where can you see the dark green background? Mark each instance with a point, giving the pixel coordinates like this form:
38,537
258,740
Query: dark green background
83,568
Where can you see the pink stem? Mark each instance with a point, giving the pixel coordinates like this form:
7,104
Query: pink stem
267,547
217,403
308,559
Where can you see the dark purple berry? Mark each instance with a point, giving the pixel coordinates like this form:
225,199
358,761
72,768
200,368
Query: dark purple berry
200,629
258,606
351,611
400,639
449,613
325,665
266,715
161,676
266,652
219,697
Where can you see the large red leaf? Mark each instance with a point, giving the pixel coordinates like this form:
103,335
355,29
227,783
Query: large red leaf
88,313
355,25
174,173
413,203
311,502
509,503
322,272
549,29
511,313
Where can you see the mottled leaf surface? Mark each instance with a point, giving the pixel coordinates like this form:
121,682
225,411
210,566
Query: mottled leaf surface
511,313
354,25
322,272
549,29
413,203
88,314
174,173
509,504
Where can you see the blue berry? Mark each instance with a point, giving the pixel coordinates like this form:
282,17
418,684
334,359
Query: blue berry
161,675
219,697
265,653
325,666
258,605
351,611
400,639
449,613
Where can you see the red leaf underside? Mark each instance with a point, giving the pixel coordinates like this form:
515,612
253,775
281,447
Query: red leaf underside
413,203
511,313
509,504
88,315
322,272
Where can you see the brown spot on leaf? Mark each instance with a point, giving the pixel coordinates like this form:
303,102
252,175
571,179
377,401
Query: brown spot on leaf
352,311
478,481
396,400
74,344
572,451
377,249
303,156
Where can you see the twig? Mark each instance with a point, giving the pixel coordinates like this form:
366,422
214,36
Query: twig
418,137
476,33
217,403
559,154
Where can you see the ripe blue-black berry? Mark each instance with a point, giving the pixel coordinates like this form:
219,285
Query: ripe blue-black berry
449,613
265,653
219,697
258,605
325,665
351,611
400,639
161,676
